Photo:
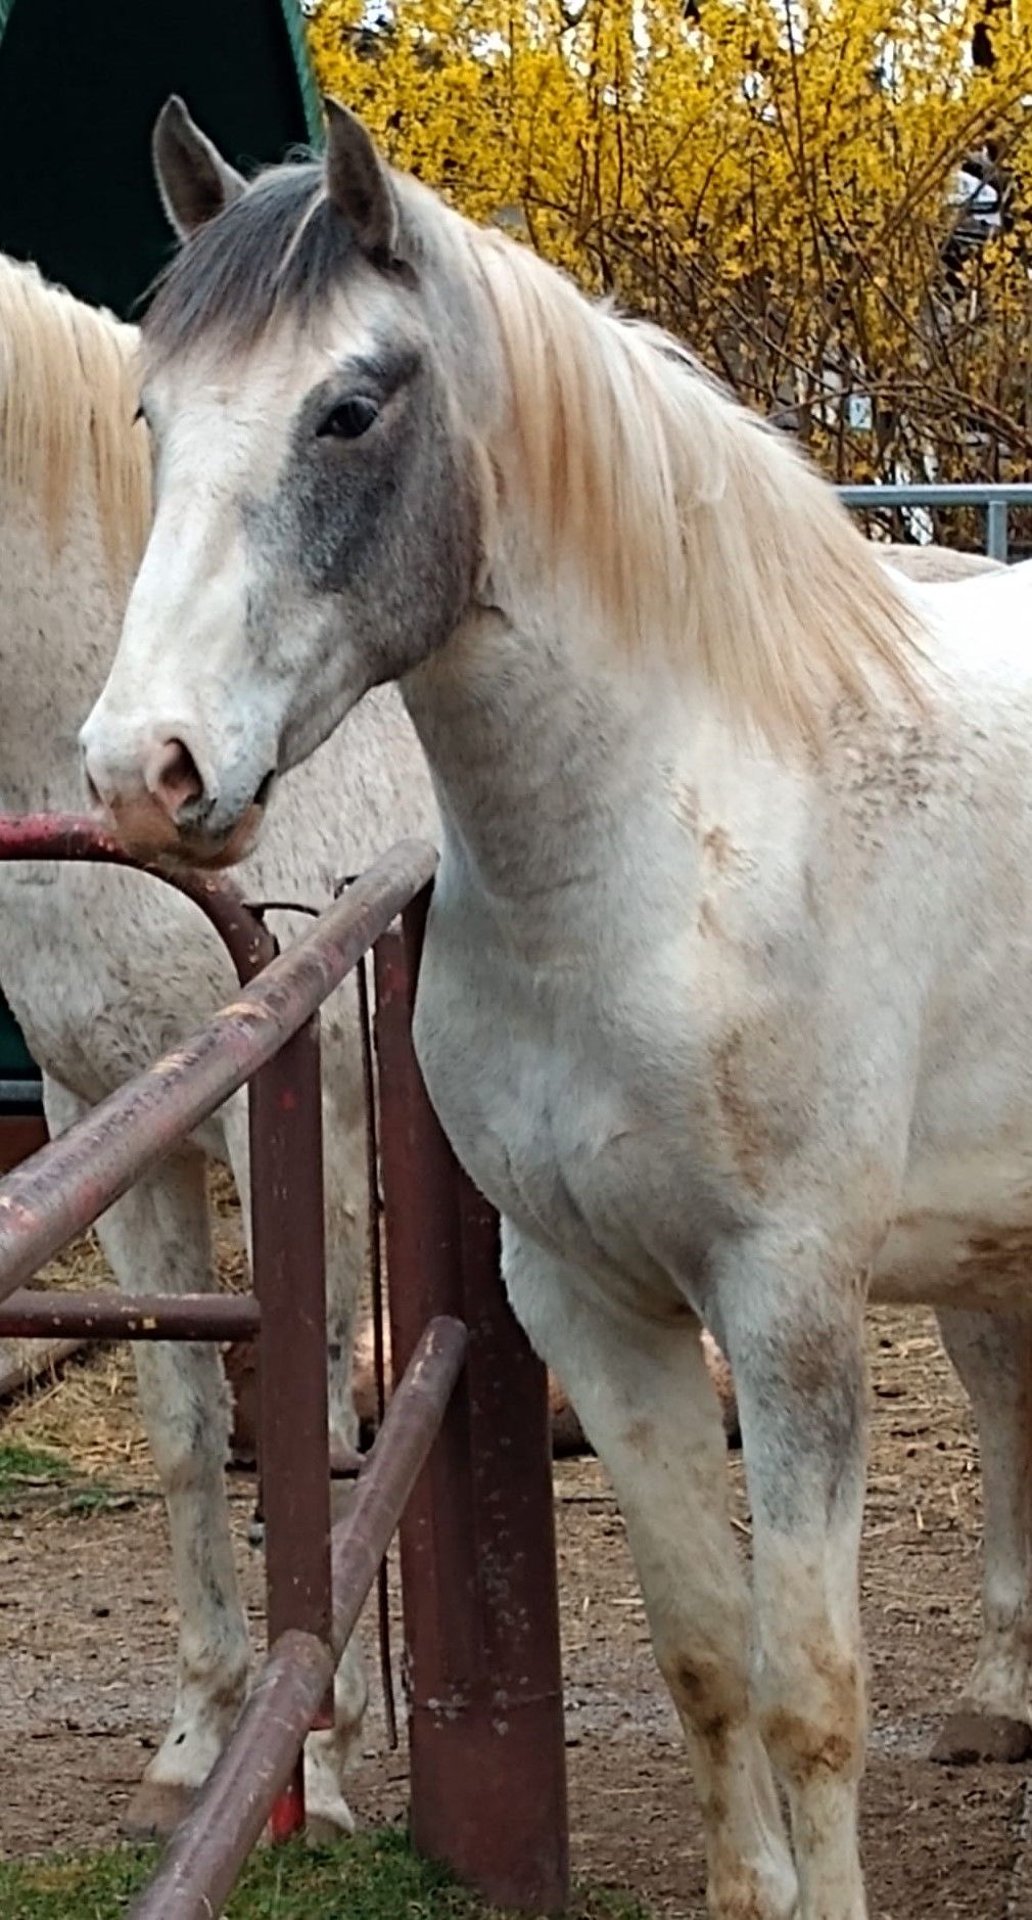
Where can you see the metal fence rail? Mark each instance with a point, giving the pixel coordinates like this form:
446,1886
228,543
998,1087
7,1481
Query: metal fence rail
75,836
478,1560
995,498
104,1315
62,1189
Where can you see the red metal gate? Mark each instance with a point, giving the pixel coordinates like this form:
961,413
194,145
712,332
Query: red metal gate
466,1467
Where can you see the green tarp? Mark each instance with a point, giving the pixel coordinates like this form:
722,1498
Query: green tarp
80,84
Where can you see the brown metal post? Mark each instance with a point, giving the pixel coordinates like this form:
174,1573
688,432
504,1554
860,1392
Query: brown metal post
290,1282
20,1135
478,1565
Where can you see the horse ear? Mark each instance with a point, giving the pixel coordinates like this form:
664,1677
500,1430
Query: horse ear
194,181
358,183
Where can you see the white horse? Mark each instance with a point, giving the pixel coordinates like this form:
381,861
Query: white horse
105,969
725,1001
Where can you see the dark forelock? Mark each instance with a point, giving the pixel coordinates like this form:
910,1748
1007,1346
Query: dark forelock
280,248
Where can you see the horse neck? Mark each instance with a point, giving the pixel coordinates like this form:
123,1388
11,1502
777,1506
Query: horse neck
548,767
60,614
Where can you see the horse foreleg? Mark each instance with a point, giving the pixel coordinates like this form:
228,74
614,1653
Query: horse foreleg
347,1249
328,1754
156,1240
993,1356
795,1341
649,1408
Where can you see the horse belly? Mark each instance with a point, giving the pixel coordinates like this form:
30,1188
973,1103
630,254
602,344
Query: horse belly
964,1238
963,1229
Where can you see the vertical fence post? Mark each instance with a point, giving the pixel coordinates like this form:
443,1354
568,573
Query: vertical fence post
290,1281
487,1755
996,530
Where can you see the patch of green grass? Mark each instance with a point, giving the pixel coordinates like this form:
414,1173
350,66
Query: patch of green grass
21,1465
34,1478
372,1877
28,1475
95,1497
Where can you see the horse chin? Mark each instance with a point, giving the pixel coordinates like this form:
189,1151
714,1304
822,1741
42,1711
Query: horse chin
226,850
151,836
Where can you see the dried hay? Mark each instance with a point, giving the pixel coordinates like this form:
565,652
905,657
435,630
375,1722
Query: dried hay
89,1410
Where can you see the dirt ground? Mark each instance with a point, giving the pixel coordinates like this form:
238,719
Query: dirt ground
87,1634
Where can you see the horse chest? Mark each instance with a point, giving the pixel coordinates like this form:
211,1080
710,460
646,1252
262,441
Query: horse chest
568,1104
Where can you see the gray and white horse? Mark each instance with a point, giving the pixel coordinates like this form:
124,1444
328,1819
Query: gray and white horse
726,1000
105,969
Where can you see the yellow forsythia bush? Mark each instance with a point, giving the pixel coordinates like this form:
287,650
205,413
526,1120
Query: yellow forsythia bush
775,180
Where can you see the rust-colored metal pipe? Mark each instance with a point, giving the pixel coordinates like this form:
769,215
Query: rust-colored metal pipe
62,1189
79,837
288,1237
106,1315
205,1855
197,1871
386,1481
82,839
486,1747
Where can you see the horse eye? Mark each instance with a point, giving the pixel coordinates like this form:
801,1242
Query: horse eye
349,420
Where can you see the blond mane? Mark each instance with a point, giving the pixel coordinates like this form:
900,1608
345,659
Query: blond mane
68,395
684,523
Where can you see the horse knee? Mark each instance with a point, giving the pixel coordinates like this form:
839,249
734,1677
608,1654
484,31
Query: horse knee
704,1661
185,1403
811,1710
709,1692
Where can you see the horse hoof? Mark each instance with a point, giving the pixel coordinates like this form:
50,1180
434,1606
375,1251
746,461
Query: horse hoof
325,1826
345,1461
969,1737
155,1810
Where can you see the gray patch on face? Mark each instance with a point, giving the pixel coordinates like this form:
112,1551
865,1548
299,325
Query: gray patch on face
362,554
383,529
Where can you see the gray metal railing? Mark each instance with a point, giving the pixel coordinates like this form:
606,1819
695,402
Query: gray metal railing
996,499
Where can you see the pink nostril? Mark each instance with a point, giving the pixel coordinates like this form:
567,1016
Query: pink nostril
173,777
